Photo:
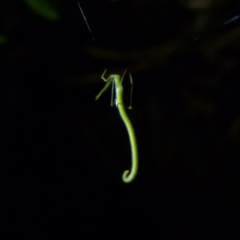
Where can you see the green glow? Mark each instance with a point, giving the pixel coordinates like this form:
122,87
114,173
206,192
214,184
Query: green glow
3,39
43,8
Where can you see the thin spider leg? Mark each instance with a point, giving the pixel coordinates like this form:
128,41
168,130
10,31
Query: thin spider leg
131,91
112,94
123,75
104,89
102,77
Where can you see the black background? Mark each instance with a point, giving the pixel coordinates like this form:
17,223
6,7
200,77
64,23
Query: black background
62,154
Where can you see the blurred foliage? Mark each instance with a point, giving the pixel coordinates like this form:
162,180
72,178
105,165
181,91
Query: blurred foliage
3,39
44,8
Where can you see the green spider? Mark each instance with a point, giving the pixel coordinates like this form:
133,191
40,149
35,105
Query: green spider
116,82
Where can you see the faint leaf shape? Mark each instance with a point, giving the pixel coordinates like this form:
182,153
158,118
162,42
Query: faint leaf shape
234,131
3,39
43,8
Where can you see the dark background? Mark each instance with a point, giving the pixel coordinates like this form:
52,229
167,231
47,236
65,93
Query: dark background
62,154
